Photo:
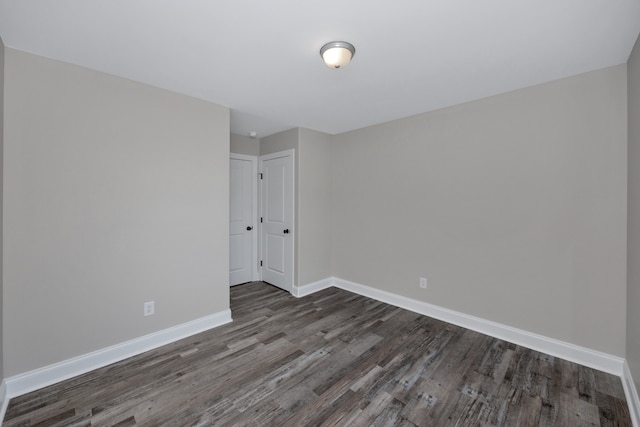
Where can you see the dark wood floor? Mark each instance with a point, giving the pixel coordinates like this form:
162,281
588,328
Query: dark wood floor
332,358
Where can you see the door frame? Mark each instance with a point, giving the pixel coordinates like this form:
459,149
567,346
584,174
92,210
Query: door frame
255,263
294,232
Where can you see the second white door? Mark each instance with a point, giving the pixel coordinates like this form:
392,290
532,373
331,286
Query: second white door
277,219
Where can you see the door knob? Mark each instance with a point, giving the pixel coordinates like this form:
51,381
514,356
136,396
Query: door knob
249,228
286,231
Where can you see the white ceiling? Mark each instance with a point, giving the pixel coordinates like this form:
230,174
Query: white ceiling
260,57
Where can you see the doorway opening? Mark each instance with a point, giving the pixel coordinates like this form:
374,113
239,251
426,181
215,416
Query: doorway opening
261,219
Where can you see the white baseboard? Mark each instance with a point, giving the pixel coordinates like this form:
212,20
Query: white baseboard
45,376
33,380
631,392
310,288
582,355
574,353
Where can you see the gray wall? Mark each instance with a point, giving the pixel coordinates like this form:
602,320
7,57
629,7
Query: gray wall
1,196
513,207
116,193
280,141
314,206
633,263
244,145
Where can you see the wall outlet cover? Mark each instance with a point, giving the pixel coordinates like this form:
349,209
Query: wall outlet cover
149,308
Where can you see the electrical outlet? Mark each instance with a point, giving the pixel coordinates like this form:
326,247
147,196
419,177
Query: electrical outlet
423,282
149,308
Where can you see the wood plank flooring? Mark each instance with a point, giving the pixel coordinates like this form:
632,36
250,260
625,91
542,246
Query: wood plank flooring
332,359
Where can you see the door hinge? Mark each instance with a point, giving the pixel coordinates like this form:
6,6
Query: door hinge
260,175
261,220
260,263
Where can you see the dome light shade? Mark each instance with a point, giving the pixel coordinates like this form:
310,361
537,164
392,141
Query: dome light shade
337,54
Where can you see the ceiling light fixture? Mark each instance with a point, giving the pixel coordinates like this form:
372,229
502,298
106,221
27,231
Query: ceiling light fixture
337,54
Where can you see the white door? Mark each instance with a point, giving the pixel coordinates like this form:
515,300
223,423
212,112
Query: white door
277,219
243,266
